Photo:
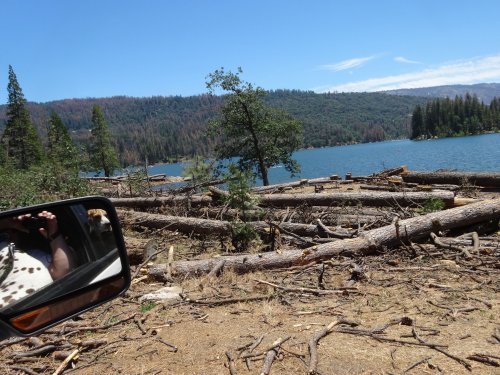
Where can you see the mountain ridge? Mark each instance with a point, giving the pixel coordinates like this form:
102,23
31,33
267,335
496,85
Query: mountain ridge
485,92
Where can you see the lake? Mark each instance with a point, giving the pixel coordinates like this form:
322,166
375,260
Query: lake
473,153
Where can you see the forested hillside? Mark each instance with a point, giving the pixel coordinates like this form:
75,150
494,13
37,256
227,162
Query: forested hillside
166,128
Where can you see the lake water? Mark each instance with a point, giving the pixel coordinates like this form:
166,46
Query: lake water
473,153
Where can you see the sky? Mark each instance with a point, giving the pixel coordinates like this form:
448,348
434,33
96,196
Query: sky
63,49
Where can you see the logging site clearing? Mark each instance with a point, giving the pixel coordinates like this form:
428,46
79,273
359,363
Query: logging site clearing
393,273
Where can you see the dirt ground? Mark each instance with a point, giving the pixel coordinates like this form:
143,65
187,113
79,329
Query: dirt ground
415,309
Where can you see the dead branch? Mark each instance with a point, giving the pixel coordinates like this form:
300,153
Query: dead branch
271,354
443,245
231,363
226,301
424,360
484,358
313,344
316,292
66,362
454,357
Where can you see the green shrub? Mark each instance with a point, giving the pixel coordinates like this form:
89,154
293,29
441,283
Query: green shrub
432,205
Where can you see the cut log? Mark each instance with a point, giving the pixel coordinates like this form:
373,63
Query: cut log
304,182
391,172
195,200
484,179
370,241
379,199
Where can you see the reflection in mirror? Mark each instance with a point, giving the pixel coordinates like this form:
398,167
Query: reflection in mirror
67,247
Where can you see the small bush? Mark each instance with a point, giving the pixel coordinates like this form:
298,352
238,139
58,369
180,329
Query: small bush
432,205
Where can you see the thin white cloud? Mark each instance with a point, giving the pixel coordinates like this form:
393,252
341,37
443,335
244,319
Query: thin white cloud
404,60
484,69
347,64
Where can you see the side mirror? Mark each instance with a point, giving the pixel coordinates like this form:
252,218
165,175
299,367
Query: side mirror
58,260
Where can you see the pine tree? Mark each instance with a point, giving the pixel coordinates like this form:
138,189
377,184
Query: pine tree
102,153
417,123
22,146
259,135
61,148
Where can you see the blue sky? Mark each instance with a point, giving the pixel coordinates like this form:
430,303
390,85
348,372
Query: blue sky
63,49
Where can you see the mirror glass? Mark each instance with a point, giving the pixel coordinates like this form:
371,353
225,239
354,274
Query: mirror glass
54,251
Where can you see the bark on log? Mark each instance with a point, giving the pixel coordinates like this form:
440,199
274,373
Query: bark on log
404,199
195,200
189,225
389,235
484,179
186,225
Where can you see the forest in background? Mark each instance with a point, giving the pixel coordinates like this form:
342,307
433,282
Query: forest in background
165,129
451,118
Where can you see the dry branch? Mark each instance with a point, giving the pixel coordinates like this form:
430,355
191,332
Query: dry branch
313,344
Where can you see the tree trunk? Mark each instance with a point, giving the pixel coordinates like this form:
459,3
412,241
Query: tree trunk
195,200
189,225
390,235
484,179
378,199
186,225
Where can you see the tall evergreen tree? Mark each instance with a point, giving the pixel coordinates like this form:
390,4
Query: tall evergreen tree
417,123
102,152
61,148
22,146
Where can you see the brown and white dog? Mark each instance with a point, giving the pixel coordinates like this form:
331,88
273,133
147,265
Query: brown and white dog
98,221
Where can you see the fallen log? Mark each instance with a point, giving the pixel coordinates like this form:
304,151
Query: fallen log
390,235
483,179
194,200
189,225
378,199
303,182
186,225
391,172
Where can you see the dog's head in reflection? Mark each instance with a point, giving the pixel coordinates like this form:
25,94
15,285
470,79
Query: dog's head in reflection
98,221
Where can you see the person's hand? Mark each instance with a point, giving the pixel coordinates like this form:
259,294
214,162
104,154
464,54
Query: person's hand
52,228
17,223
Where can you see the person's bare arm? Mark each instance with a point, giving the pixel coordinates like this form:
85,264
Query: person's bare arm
61,253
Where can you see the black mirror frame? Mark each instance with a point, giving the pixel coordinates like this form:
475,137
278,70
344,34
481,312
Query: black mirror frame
6,327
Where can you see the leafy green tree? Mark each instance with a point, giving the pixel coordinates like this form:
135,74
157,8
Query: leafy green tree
260,136
22,146
102,153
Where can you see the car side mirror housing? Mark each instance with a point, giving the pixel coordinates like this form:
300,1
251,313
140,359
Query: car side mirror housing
58,260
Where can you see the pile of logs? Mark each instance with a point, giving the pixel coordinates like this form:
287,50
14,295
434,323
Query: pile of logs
320,225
